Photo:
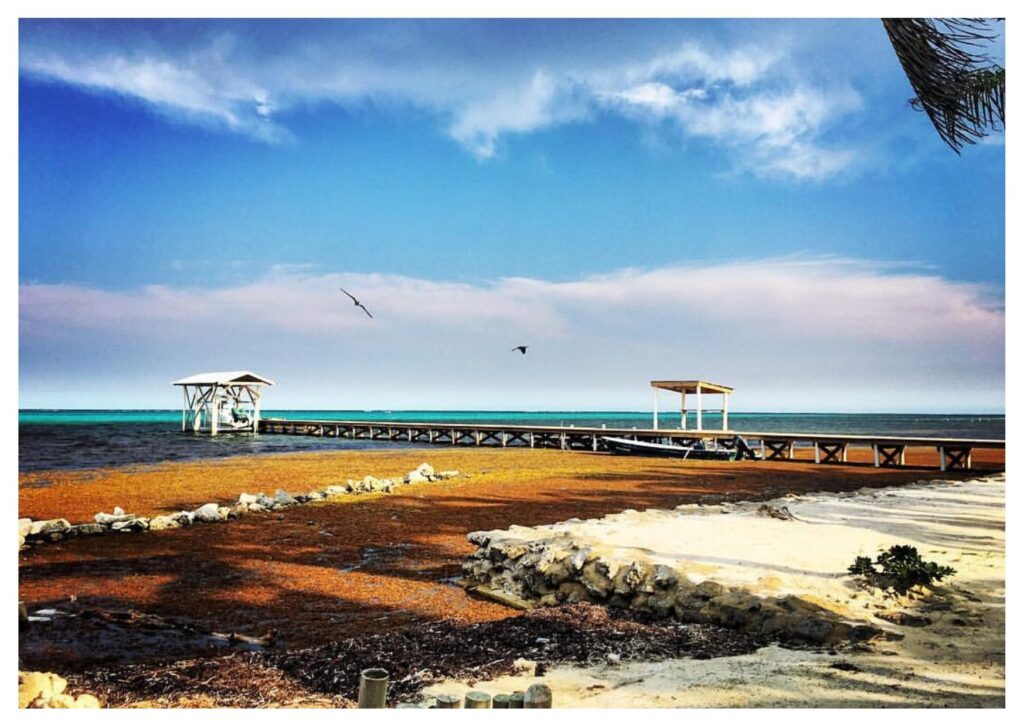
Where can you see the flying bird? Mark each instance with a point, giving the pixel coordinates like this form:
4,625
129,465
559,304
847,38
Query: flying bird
521,349
357,303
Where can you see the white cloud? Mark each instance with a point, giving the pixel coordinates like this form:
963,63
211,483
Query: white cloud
741,98
780,328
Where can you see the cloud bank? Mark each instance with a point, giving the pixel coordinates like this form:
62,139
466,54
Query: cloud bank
782,330
751,101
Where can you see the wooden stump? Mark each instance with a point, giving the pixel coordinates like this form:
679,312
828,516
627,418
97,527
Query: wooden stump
478,700
373,688
537,696
447,701
502,701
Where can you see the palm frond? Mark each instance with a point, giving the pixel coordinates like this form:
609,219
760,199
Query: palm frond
958,86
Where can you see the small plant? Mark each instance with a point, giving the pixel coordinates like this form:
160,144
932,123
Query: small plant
902,566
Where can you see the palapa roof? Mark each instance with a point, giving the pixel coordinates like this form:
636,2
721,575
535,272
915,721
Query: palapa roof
224,378
690,387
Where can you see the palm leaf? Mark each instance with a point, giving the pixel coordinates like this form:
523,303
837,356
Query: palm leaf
961,89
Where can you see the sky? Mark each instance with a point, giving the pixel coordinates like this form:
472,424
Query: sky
748,202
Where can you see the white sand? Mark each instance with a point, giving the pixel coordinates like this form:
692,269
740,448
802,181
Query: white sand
957,660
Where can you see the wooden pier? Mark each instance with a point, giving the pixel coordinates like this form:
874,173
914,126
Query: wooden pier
951,454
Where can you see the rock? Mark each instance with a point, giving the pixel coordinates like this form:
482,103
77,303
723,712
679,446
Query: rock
524,666
595,578
423,473
665,577
224,511
24,526
630,578
314,496
815,630
447,474
572,593
208,513
135,525
86,701
902,618
51,530
87,529
164,522
578,559
34,686
246,499
335,490
110,518
283,498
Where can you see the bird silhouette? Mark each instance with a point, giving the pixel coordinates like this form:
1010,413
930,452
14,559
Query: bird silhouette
356,302
521,349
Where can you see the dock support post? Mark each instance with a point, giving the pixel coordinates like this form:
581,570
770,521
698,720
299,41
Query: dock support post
874,448
942,459
682,410
655,424
531,440
817,454
594,442
700,410
561,440
725,412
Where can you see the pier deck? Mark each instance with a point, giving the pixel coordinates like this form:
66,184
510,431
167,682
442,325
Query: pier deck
887,451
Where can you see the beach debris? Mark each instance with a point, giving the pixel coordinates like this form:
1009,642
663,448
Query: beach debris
779,513
31,532
42,690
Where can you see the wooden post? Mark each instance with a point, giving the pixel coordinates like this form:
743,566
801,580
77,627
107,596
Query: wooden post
537,696
682,410
700,412
501,701
531,440
447,701
256,410
215,410
22,611
373,688
515,700
655,425
817,453
942,459
874,448
478,700
725,412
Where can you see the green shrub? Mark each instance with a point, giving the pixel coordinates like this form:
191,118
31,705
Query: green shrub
902,566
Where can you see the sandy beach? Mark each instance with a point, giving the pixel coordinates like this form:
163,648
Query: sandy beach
357,565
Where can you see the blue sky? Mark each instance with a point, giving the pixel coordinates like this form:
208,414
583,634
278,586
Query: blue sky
750,201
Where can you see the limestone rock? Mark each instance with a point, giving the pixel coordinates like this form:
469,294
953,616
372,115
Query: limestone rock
51,530
34,686
208,513
134,525
118,515
24,526
164,522
283,498
87,529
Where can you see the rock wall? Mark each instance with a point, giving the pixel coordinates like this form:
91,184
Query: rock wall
554,570
38,532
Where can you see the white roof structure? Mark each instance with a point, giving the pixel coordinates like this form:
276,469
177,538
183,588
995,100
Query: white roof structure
224,378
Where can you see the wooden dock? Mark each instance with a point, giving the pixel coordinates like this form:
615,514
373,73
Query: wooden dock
951,454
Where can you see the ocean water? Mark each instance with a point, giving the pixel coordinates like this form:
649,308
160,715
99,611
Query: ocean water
83,439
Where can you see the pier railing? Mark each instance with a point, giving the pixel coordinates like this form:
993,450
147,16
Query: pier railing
887,451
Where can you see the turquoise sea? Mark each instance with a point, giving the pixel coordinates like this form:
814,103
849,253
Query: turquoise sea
79,439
